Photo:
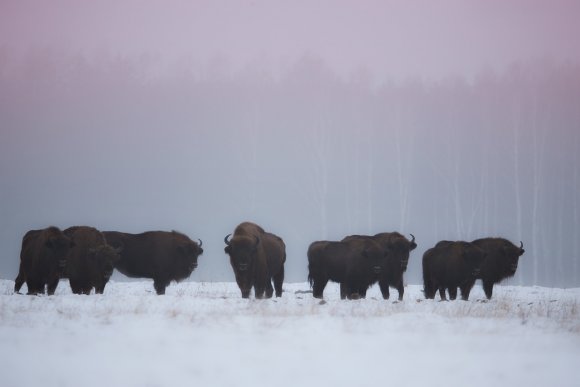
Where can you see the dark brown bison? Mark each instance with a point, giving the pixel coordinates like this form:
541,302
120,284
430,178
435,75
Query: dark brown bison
355,264
42,260
397,249
500,262
91,261
451,265
257,258
160,255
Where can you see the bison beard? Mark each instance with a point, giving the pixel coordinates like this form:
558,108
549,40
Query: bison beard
500,262
91,261
451,265
159,255
355,264
257,258
397,248
42,260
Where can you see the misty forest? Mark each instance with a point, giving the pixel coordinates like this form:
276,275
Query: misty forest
307,153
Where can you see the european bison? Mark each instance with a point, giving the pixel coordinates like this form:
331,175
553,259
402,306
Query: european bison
42,260
450,265
91,261
397,248
257,258
500,262
355,264
160,255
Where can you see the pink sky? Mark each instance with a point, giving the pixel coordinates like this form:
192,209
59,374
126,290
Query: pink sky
392,39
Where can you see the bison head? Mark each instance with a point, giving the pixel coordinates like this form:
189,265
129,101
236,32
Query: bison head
188,252
242,252
58,245
473,256
511,255
102,259
400,249
374,258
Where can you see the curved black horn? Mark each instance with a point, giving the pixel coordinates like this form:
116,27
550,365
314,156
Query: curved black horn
200,242
413,236
521,245
226,239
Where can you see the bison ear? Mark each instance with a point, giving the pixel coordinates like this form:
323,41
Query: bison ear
228,249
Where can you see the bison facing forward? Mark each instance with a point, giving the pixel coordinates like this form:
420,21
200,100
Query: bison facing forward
500,262
355,263
257,258
91,261
160,255
42,260
397,249
451,265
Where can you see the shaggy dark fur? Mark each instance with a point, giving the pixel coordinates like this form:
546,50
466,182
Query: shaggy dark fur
355,264
451,265
42,260
501,261
91,261
257,258
397,249
160,255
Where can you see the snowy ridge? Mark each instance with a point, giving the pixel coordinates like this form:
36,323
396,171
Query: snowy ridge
205,333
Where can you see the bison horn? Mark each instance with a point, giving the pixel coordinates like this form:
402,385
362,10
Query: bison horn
521,245
200,242
226,239
413,236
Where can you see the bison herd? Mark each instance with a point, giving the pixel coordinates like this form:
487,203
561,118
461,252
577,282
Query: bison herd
87,257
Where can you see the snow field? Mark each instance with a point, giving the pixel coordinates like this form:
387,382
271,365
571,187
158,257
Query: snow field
206,334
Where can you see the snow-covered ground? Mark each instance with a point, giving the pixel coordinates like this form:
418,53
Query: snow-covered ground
205,334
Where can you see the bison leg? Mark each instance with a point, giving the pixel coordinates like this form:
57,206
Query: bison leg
442,293
259,291
245,293
488,289
318,287
384,285
278,280
269,289
465,293
363,292
466,289
51,286
344,291
429,290
19,281
160,286
452,292
75,287
35,286
401,290
100,289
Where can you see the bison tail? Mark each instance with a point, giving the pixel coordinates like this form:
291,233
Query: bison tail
310,277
